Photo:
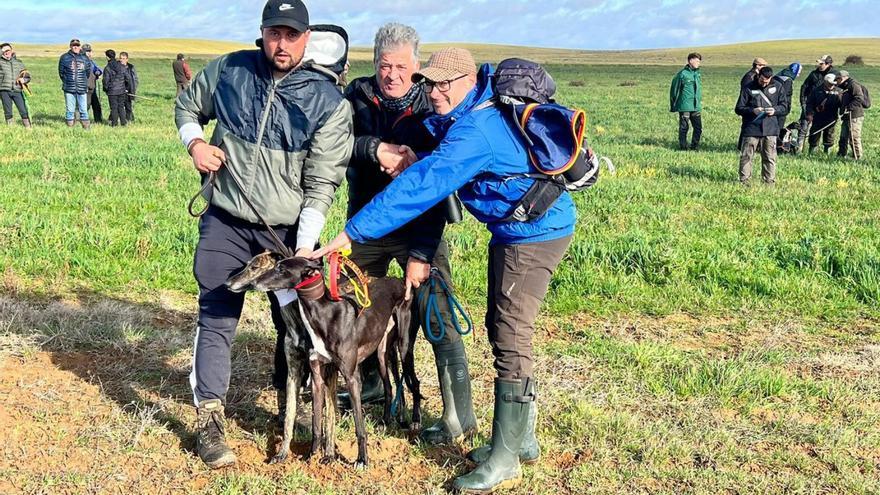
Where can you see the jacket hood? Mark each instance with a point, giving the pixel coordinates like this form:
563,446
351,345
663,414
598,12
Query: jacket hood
483,91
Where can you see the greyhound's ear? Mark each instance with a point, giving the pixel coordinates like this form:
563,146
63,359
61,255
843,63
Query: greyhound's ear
317,264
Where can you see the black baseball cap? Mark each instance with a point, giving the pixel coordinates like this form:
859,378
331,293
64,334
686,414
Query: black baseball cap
75,42
290,13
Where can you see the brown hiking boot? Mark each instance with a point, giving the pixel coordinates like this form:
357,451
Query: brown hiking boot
69,123
86,124
26,123
211,435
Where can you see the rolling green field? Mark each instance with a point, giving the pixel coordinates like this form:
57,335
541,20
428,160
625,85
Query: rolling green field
699,337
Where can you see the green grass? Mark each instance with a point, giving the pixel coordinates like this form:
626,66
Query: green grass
698,337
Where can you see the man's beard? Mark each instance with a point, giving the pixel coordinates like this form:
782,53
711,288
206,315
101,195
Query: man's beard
285,65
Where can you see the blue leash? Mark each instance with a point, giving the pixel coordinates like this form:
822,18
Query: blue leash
434,309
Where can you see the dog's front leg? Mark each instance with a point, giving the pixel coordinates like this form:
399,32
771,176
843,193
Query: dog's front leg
353,380
294,381
318,397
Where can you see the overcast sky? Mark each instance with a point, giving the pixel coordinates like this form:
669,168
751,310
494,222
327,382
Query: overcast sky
584,24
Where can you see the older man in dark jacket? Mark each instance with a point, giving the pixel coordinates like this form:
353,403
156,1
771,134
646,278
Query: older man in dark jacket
388,114
853,102
73,69
760,102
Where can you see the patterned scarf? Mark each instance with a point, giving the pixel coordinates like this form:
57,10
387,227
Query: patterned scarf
397,104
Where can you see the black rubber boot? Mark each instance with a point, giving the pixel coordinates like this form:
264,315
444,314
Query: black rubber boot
502,469
529,452
211,436
458,421
372,391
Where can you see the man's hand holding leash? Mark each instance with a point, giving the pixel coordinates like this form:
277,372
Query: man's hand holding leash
206,158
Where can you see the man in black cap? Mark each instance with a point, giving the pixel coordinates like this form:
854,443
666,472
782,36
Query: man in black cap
285,130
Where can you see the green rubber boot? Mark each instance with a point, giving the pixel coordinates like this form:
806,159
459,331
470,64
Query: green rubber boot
502,470
211,436
529,452
458,421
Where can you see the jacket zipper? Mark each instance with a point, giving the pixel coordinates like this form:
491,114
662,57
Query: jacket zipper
264,119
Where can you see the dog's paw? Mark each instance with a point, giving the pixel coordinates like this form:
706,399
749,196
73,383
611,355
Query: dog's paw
415,426
279,458
325,460
360,465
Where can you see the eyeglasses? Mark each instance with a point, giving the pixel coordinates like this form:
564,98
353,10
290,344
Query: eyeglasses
442,86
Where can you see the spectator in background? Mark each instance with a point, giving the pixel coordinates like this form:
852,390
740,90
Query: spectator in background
757,64
853,103
182,73
686,97
132,91
824,66
760,102
822,107
117,82
12,81
74,69
93,95
786,77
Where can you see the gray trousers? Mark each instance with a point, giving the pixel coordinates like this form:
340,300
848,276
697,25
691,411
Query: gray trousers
751,144
519,275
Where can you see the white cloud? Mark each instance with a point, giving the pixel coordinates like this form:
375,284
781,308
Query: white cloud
585,24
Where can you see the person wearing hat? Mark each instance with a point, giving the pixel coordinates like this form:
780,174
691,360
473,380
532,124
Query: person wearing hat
824,66
73,70
852,106
822,109
12,85
388,113
94,95
686,98
757,64
483,158
787,76
285,130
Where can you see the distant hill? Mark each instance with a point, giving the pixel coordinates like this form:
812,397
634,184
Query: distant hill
776,52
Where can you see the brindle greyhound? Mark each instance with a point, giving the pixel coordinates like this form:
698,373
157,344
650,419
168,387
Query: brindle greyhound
342,335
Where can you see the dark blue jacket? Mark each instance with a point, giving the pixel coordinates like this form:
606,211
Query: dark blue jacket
74,71
481,155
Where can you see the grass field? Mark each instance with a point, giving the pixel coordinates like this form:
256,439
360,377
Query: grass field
699,337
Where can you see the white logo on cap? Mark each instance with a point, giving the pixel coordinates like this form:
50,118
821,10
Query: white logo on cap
286,6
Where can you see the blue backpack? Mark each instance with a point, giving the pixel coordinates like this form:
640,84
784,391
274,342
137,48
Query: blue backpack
554,136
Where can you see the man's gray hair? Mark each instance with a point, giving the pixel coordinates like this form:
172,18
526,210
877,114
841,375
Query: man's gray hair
395,35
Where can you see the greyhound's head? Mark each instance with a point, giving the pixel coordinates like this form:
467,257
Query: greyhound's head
256,267
288,273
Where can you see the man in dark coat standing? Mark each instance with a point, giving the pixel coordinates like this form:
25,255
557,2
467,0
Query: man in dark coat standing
760,102
117,83
132,90
824,66
388,114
